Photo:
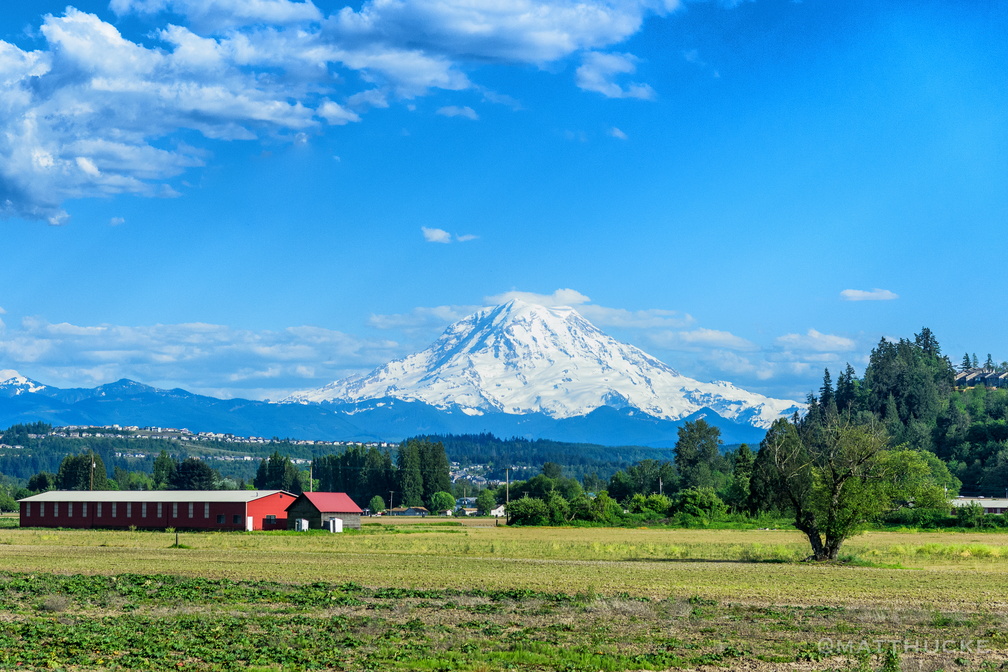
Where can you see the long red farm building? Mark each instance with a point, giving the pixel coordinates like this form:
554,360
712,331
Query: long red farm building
181,509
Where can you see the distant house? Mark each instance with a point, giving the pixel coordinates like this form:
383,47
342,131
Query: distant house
990,505
318,508
467,511
409,511
464,502
499,512
985,377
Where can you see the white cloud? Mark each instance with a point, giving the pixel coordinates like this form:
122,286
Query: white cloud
436,235
700,339
561,297
432,235
117,221
205,358
817,342
455,111
617,133
93,113
422,318
598,71
865,295
336,114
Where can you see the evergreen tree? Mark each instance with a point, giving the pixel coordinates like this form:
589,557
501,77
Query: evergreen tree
278,473
826,398
846,390
82,472
966,363
989,364
193,474
411,486
164,470
435,470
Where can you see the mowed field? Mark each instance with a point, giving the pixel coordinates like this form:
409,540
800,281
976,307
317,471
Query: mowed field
436,594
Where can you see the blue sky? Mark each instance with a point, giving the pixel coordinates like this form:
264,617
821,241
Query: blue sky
245,198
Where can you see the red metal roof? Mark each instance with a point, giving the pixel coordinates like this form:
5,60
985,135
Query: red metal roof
332,502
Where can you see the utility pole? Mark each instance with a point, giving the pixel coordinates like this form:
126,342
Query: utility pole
311,473
507,485
91,481
659,486
390,493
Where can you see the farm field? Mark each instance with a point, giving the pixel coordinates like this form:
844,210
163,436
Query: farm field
440,595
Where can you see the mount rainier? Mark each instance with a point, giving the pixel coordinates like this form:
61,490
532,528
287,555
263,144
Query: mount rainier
519,358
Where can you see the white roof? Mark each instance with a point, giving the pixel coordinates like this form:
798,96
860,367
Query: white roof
989,502
153,495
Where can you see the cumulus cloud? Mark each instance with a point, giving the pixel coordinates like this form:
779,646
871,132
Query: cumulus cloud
205,358
598,72
94,113
456,111
866,295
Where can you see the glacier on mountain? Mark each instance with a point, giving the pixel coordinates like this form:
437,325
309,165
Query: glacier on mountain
520,358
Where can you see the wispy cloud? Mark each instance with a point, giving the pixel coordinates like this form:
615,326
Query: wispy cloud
701,338
434,235
617,133
561,297
866,295
599,71
456,111
817,341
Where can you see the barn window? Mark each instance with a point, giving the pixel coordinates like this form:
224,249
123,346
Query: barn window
220,518
143,510
159,509
129,509
190,509
271,519
41,507
236,519
27,510
206,509
99,509
174,509
83,507
115,506
55,509
69,509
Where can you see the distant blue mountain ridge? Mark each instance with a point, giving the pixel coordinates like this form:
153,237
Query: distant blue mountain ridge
127,402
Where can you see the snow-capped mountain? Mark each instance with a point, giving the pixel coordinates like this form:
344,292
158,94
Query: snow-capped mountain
13,384
520,358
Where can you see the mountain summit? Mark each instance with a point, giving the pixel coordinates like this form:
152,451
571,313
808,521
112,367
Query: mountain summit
520,358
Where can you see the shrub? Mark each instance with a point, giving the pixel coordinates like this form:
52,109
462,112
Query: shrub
702,503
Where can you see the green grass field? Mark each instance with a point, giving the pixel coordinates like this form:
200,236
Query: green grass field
431,595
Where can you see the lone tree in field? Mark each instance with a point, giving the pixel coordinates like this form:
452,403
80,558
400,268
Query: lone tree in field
841,475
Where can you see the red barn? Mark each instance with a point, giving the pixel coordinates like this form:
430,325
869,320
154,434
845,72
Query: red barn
318,508
157,510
